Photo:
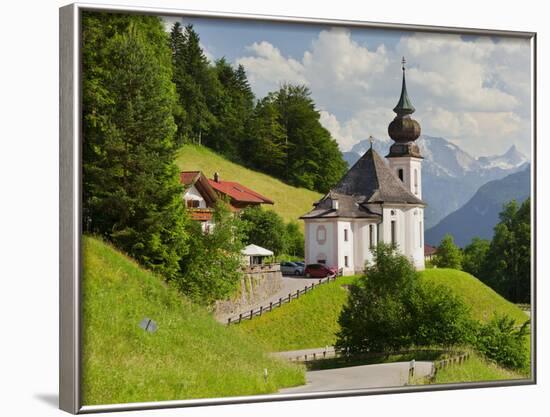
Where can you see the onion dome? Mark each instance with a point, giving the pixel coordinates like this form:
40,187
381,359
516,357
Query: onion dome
404,130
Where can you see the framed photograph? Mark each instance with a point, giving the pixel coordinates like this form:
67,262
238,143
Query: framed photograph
260,208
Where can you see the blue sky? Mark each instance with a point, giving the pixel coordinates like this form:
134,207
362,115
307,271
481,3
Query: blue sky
474,91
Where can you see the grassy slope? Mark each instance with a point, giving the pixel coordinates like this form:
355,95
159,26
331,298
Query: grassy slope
312,321
482,299
290,202
309,322
475,369
190,356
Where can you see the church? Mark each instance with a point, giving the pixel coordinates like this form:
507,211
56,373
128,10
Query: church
375,201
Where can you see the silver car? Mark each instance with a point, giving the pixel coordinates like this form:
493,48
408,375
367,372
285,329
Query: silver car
290,268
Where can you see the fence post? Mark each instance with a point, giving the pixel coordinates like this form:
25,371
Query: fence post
261,310
320,280
297,293
229,321
312,285
240,317
251,314
289,295
270,305
280,302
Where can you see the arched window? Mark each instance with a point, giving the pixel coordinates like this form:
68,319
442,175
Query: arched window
393,233
416,181
400,173
321,234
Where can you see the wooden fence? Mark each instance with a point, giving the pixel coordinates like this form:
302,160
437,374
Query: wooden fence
249,315
330,352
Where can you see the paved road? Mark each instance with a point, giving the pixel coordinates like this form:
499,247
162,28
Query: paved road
290,285
360,377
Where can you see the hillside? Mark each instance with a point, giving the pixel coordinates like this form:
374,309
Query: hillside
312,320
482,299
189,356
479,215
290,202
308,322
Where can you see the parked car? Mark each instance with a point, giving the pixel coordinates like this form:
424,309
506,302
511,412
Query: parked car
291,268
319,271
300,263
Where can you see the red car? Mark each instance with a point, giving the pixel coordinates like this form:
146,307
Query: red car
319,271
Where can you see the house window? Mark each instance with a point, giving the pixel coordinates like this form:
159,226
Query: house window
371,236
393,233
379,233
345,235
321,261
346,263
416,181
193,203
321,234
400,173
420,233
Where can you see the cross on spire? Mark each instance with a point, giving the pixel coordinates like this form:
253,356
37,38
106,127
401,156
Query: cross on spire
371,140
403,62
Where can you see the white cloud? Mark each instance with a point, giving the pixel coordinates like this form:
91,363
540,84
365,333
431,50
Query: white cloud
268,69
474,92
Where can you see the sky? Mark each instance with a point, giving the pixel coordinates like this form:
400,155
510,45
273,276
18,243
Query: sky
473,91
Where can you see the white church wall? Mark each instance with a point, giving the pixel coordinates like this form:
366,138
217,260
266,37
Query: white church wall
409,235
321,238
346,239
362,250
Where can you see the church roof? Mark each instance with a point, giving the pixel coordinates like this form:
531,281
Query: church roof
367,184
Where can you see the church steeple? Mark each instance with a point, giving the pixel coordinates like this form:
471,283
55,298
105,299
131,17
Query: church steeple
403,129
404,106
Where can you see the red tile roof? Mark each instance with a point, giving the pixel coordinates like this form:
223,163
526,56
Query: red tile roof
188,177
239,192
429,250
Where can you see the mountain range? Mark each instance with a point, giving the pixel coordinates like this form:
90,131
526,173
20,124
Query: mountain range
450,175
479,215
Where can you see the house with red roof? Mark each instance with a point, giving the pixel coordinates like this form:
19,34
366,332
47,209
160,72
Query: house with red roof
201,193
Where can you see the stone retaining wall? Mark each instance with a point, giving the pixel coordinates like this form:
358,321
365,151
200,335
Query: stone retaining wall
255,287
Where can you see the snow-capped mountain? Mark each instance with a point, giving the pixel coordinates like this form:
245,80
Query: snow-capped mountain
450,175
509,160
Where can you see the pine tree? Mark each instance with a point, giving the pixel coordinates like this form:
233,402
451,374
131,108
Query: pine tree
193,80
132,194
313,159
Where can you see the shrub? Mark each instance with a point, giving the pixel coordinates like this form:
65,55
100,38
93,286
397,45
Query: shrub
294,240
448,255
390,309
211,270
376,317
502,341
264,228
440,317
